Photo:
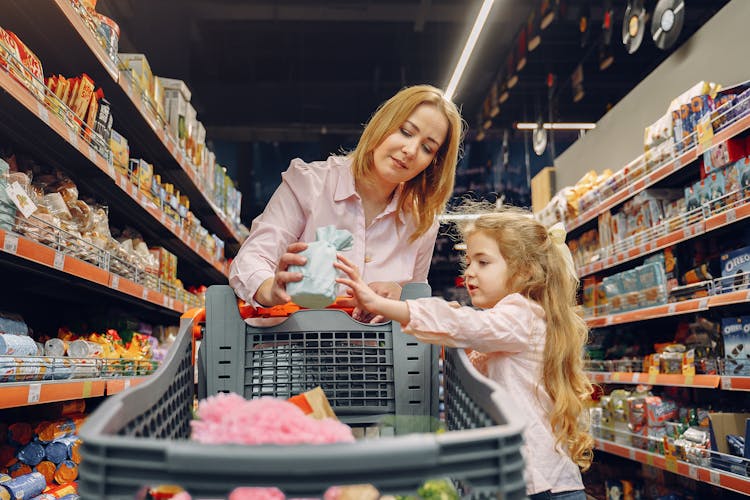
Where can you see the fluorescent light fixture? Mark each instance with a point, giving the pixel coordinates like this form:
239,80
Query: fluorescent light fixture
468,48
556,126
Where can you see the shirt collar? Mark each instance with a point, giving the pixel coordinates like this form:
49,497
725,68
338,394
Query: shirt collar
345,188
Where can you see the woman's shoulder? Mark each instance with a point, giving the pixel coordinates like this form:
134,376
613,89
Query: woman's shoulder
330,166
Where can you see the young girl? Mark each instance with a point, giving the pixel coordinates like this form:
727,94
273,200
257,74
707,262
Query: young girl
387,193
525,335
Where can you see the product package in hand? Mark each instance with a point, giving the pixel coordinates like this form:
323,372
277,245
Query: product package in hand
318,286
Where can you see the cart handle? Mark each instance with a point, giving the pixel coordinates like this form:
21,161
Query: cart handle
284,310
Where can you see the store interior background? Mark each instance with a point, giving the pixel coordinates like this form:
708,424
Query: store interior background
282,79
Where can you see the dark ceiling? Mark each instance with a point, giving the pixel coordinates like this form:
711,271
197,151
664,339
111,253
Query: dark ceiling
289,69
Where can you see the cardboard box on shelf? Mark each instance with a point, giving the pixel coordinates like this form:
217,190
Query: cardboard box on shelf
542,188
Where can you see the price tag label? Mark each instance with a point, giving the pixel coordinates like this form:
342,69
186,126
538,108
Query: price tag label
115,282
703,303
650,459
672,308
731,216
86,390
671,463
726,383
714,477
35,391
111,170
690,378
693,472
42,112
163,218
616,377
59,262
92,155
653,372
165,300
126,384
73,138
631,453
20,199
608,320
144,295
637,378
10,245
134,190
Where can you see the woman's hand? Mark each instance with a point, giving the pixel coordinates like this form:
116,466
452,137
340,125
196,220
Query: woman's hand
272,292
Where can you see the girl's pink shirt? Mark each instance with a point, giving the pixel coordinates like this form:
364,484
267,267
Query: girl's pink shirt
322,193
509,339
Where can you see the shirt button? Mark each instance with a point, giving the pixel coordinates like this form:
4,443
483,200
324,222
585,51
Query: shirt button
368,259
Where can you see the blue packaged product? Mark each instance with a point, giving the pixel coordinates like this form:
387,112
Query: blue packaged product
26,486
735,266
60,449
45,496
71,496
31,454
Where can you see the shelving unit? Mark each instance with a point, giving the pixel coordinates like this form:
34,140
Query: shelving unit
65,42
714,216
717,477
58,276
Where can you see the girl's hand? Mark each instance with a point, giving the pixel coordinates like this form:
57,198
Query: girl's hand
387,289
273,291
365,297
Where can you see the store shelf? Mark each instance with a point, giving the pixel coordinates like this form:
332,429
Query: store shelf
28,393
647,313
659,173
681,228
26,120
698,381
729,383
715,477
116,385
64,44
32,251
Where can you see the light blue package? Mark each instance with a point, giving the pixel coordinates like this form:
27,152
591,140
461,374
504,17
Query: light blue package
318,286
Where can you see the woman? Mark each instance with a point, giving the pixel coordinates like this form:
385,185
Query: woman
387,193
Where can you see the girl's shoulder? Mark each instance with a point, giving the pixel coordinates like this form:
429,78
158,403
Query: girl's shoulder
517,301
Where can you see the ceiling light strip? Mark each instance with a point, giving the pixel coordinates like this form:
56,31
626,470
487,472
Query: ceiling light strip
468,48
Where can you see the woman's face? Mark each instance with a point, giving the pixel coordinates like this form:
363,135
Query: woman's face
412,147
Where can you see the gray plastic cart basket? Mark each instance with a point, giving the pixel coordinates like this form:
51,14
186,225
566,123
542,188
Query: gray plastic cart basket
140,437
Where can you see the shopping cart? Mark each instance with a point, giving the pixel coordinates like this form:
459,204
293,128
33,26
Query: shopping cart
370,373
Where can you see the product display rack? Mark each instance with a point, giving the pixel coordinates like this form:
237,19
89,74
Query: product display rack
26,120
658,174
716,215
65,42
716,477
62,41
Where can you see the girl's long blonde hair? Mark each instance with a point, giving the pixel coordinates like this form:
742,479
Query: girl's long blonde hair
424,196
537,269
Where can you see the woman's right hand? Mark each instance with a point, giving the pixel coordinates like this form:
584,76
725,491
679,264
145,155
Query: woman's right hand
272,292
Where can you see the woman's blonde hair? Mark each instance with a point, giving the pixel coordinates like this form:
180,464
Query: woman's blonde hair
537,269
425,195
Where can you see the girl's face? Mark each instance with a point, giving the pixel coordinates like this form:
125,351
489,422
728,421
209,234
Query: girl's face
410,149
486,274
